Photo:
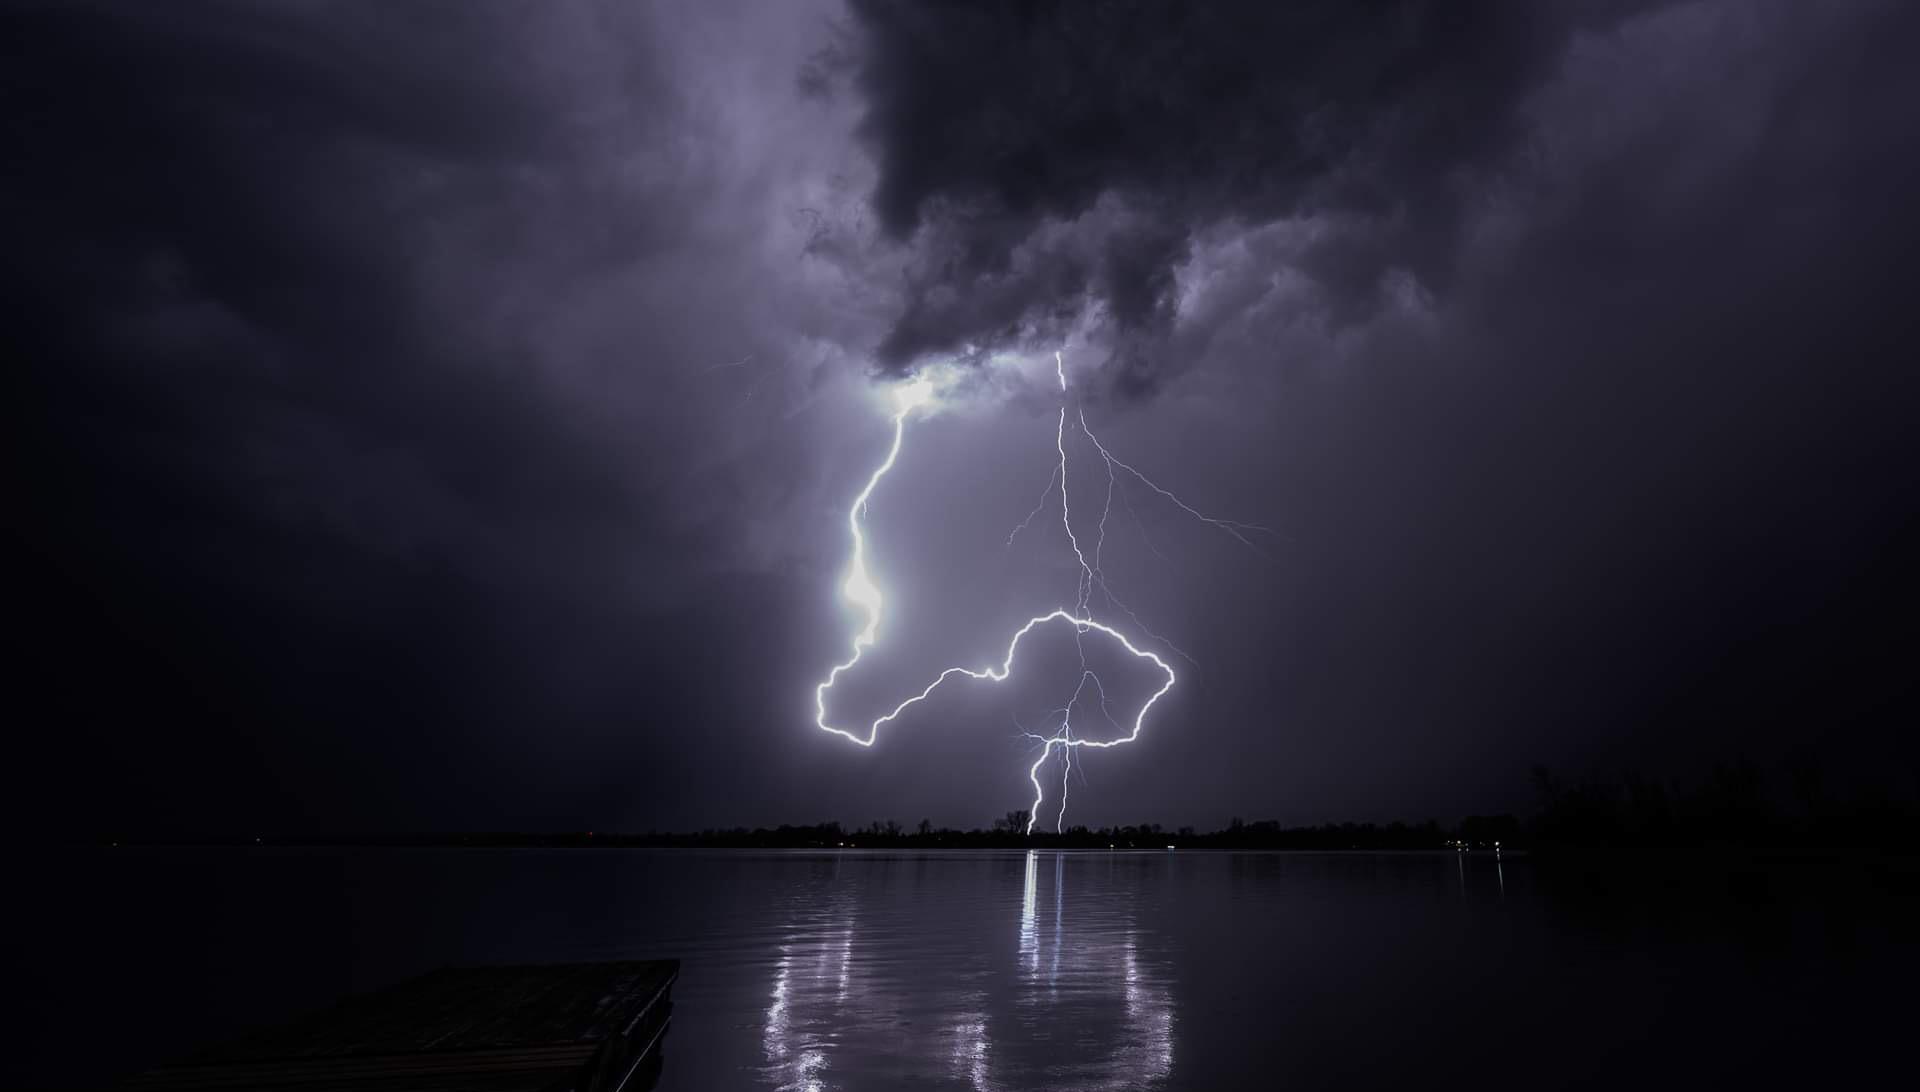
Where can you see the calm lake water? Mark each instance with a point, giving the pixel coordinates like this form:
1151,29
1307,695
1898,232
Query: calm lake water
989,970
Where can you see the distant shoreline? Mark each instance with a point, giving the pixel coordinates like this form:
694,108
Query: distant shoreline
1732,810
990,842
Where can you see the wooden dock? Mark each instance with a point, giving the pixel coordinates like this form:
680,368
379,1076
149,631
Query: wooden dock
578,1027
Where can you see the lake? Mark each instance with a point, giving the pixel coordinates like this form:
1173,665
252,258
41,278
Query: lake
1014,970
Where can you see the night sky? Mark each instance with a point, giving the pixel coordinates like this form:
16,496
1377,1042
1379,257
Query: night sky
444,416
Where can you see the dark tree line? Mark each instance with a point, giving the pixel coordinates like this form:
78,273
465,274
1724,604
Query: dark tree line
1736,804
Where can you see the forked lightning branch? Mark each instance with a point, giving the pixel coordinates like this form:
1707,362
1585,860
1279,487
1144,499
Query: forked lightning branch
861,590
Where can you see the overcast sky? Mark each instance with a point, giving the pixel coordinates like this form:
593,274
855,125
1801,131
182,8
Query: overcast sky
444,416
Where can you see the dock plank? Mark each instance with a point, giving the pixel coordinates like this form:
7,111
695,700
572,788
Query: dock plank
583,1027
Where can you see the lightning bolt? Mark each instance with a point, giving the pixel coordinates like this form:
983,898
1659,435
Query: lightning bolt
860,589
1233,527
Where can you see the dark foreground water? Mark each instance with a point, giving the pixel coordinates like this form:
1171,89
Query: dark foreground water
855,970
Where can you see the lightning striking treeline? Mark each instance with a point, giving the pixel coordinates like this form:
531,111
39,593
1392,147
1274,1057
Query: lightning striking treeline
860,589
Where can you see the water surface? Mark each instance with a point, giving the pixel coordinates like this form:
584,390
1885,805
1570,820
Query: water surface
991,970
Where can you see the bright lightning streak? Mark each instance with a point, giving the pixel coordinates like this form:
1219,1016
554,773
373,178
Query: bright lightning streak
1085,587
999,673
1066,779
860,589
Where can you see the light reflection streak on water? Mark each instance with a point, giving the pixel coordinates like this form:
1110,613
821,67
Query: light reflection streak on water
972,1052
1150,1012
1029,942
792,1067
1059,913
1141,1050
858,1001
809,956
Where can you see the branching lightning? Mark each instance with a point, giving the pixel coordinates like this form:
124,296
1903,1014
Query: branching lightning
860,589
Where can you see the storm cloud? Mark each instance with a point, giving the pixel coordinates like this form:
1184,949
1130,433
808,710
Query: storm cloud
1049,159
444,416
346,336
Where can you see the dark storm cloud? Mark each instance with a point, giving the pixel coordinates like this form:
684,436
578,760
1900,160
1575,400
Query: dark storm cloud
1615,474
349,452
444,415
1633,492
995,124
